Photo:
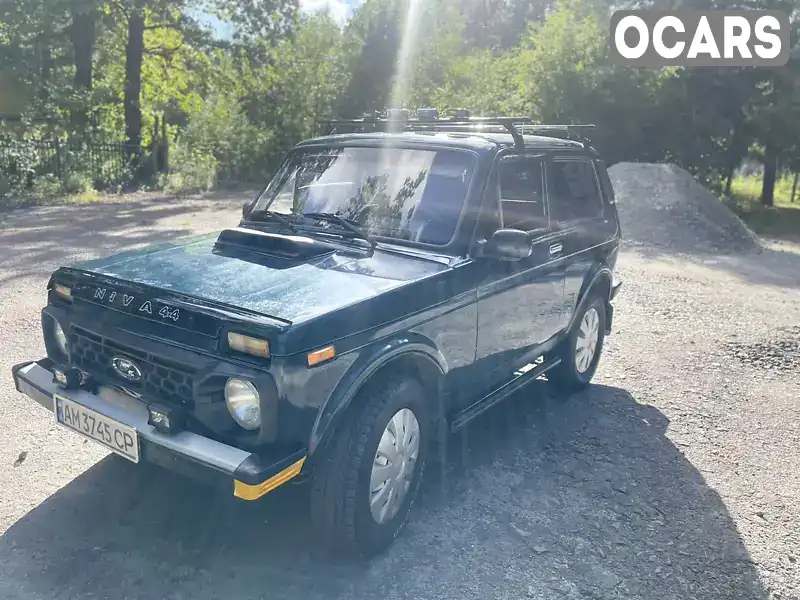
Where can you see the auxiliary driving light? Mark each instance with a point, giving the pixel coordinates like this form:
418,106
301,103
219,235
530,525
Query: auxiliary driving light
164,419
69,379
243,402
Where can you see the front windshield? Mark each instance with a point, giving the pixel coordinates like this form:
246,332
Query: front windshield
406,194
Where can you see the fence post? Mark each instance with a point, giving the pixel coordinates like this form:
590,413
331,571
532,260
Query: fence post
59,171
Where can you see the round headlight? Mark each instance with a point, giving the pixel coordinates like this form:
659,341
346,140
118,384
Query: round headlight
243,403
61,338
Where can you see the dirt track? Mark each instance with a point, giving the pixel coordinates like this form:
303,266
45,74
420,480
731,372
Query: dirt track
676,476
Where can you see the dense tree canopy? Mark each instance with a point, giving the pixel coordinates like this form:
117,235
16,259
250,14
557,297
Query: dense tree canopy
123,71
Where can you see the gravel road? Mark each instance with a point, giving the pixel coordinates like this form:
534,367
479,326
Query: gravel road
675,476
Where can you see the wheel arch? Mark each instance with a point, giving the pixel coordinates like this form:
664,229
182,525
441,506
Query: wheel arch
598,281
410,354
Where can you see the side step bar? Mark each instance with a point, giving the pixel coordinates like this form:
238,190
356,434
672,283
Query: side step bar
521,380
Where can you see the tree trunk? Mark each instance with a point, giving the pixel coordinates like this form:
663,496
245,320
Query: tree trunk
46,66
770,175
82,36
133,85
794,185
736,152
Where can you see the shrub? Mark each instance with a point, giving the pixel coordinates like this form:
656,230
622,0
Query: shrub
191,170
45,187
77,183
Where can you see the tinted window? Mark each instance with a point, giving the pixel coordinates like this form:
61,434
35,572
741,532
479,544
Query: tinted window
407,194
573,191
605,180
522,193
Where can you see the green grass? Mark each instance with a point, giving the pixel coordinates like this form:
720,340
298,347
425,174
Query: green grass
781,221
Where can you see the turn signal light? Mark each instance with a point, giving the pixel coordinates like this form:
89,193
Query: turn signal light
248,345
64,291
318,356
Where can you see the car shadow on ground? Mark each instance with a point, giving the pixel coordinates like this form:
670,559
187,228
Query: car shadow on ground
538,498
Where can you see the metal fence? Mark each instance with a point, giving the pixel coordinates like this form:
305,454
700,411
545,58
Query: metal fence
22,162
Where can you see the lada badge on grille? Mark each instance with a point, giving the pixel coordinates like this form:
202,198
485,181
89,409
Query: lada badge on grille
126,368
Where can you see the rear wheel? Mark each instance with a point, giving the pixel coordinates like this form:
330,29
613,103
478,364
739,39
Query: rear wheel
367,482
580,350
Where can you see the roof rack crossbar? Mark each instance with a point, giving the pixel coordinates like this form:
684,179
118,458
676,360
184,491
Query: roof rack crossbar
516,126
440,124
568,132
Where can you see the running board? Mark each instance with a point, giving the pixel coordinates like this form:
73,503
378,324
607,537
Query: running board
523,377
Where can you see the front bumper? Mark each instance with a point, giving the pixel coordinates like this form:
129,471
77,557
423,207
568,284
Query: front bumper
251,475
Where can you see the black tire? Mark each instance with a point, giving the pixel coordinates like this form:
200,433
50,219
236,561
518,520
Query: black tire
567,378
340,508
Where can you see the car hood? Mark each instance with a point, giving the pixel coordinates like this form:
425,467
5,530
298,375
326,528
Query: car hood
291,290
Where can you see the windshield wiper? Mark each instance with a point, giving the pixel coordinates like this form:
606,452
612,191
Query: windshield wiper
351,226
266,215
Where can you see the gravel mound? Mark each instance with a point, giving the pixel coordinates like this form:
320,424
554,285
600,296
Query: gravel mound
663,206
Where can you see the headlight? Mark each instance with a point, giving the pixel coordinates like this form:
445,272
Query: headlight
243,403
60,337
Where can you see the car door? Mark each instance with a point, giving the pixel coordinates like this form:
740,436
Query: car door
519,302
577,212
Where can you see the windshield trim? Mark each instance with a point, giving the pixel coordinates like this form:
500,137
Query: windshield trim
279,179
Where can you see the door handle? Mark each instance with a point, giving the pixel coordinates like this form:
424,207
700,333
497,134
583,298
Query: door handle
556,249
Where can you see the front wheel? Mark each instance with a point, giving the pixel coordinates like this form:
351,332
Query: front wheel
580,350
366,484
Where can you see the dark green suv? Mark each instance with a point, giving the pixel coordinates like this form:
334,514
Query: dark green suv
395,279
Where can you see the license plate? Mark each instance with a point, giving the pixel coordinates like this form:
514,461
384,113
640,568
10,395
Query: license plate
115,436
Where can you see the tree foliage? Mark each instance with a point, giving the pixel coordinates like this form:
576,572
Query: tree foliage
114,70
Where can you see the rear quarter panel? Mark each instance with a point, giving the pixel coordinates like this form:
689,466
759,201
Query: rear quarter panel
593,246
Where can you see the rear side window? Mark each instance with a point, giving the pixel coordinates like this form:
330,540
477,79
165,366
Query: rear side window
522,193
574,193
605,180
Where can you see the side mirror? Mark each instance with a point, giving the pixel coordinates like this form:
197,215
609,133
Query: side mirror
247,208
508,244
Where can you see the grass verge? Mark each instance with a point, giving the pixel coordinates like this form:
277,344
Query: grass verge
781,221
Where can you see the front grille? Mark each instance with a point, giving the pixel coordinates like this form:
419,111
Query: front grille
162,379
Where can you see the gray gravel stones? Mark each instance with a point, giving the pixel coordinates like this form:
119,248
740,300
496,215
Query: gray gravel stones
776,354
663,206
648,486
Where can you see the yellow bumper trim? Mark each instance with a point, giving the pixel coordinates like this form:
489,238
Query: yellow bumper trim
254,492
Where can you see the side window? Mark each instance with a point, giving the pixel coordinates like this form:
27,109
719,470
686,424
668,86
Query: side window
522,193
605,180
573,191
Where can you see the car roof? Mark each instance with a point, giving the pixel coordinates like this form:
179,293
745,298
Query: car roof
444,139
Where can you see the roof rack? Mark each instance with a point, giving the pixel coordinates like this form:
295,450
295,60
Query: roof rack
427,119
566,132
